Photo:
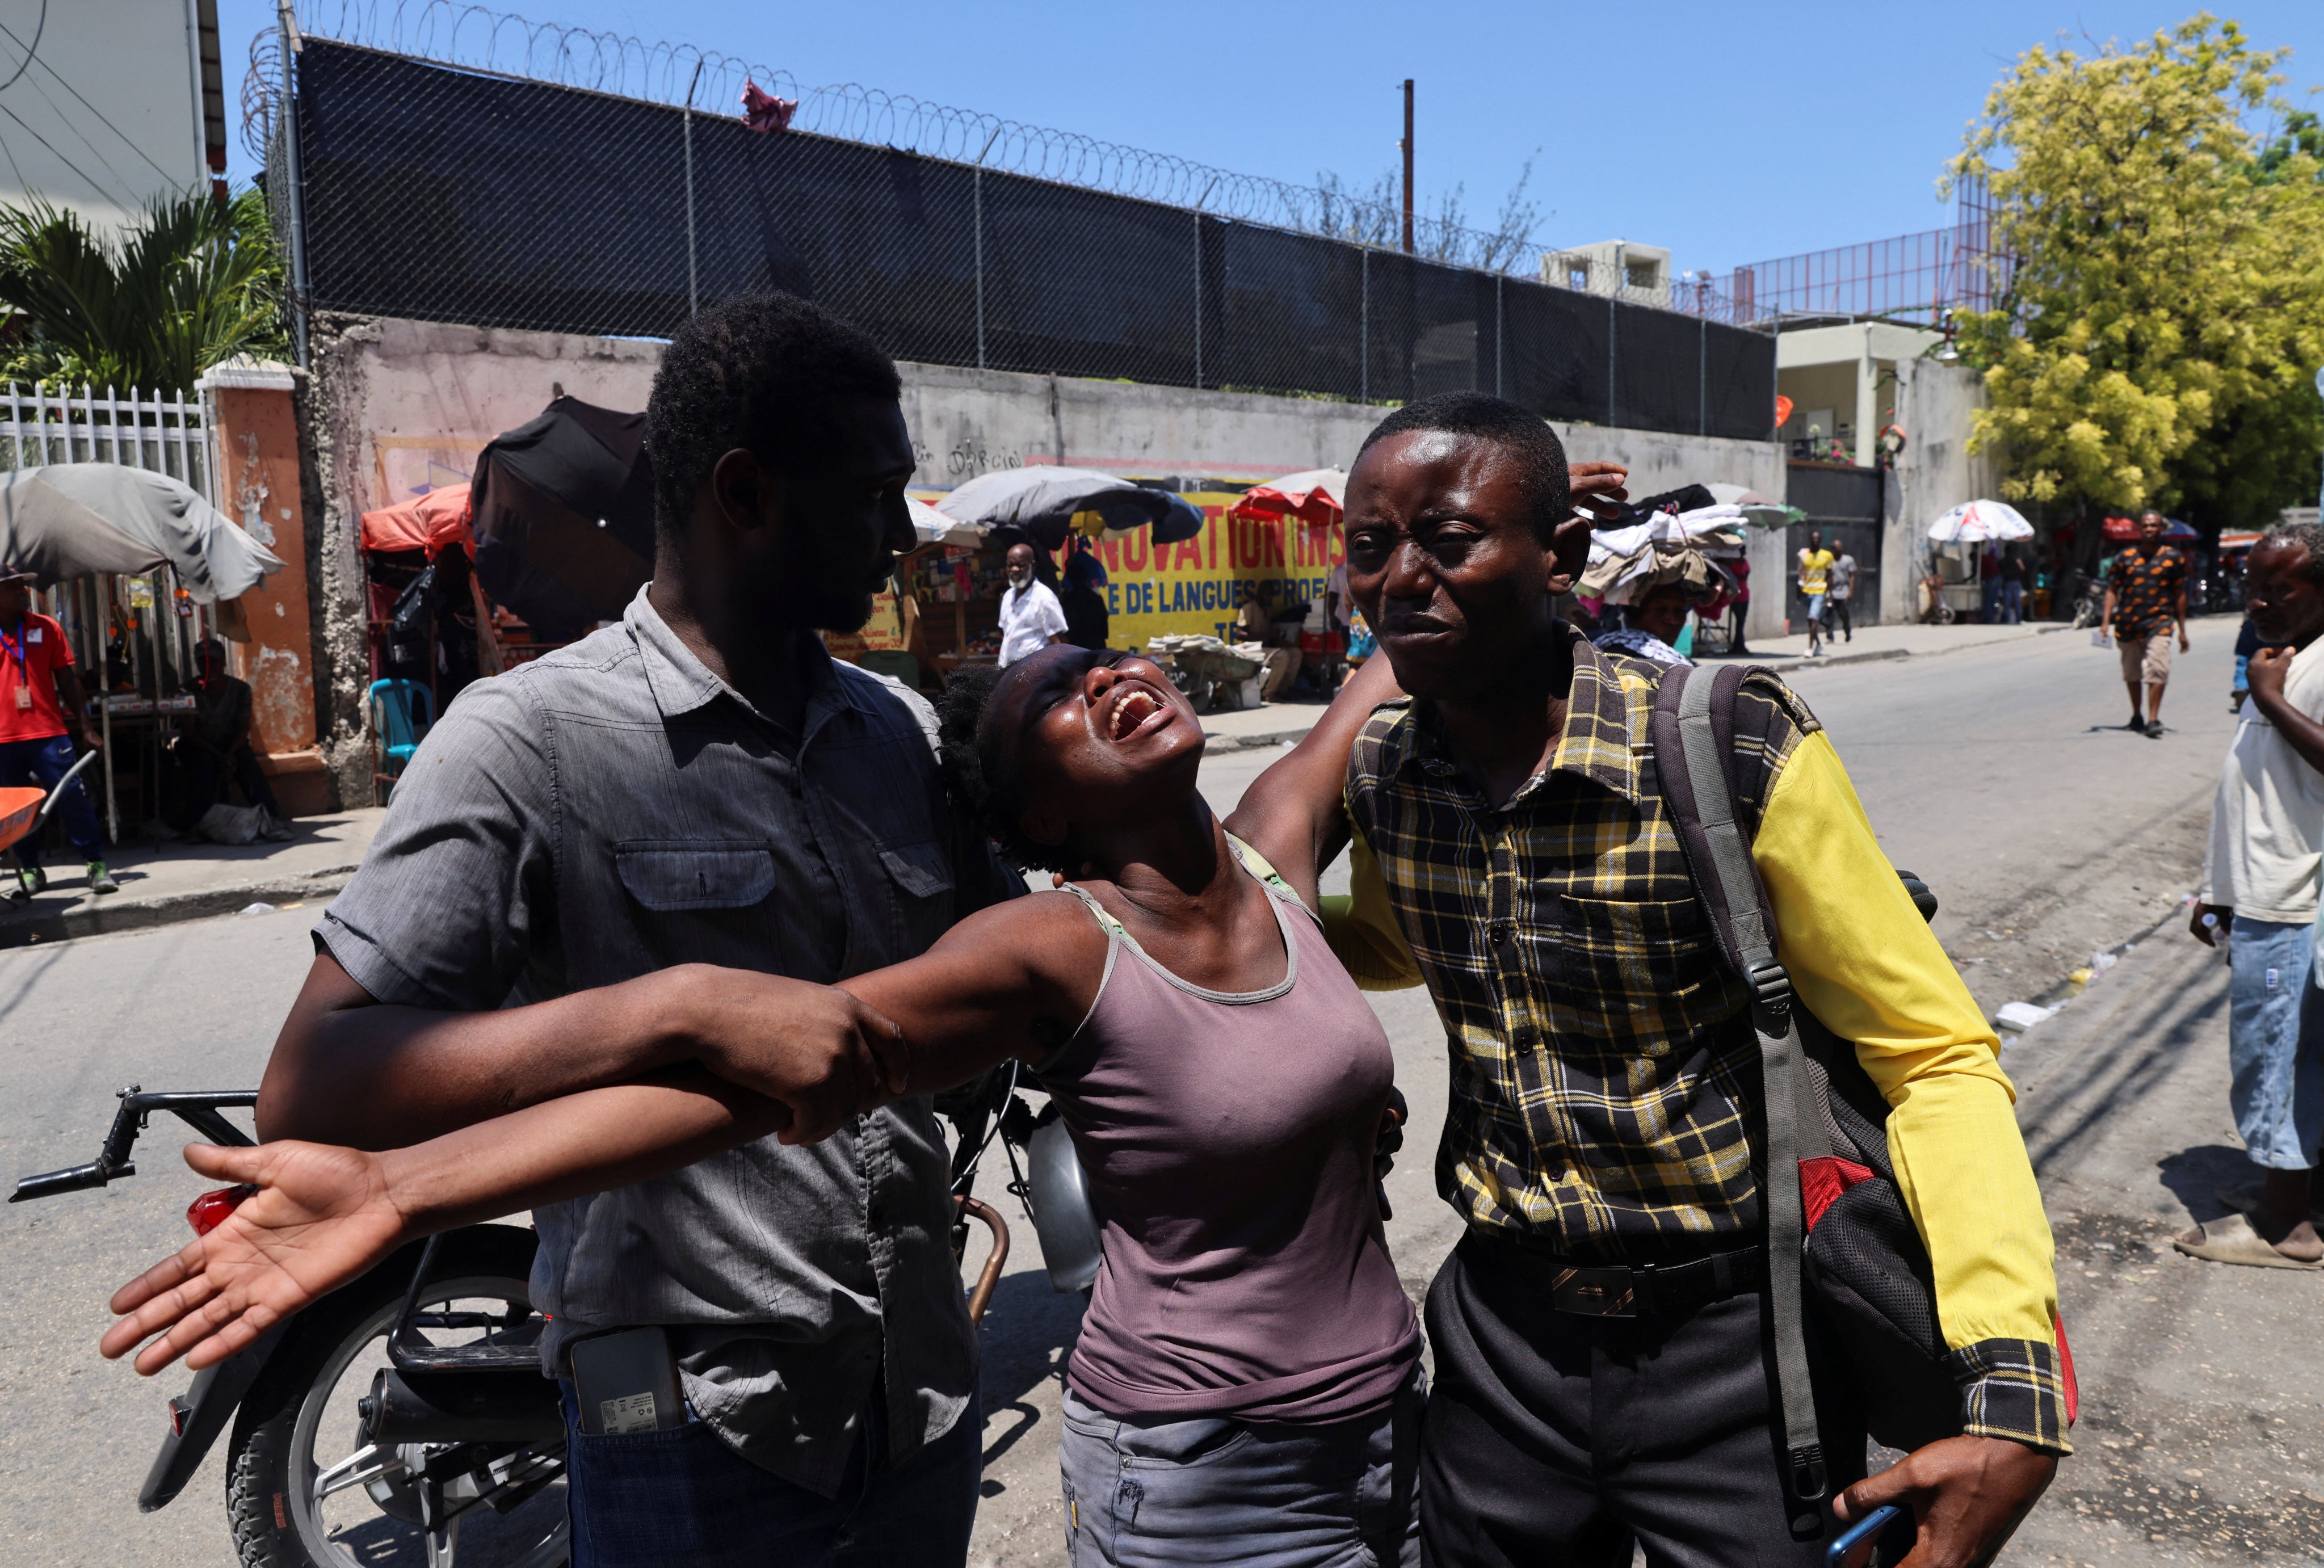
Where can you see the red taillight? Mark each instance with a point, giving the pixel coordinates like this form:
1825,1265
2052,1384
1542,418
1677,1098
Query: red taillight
178,1411
205,1213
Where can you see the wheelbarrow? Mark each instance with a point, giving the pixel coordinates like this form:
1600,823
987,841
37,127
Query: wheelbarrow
23,812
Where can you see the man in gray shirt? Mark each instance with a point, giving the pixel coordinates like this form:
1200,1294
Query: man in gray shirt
700,785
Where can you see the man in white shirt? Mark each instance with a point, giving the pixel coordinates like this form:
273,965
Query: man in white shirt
1031,618
2260,891
1338,615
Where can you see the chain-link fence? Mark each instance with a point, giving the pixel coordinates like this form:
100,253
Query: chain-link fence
608,201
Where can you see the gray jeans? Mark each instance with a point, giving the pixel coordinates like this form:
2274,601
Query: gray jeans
1146,1490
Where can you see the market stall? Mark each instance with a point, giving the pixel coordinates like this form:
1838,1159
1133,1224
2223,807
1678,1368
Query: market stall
1950,588
138,568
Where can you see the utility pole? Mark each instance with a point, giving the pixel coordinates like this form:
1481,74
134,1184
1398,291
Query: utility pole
1406,145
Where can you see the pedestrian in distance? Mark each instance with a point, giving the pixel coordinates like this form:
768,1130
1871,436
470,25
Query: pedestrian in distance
1083,599
2146,603
42,712
1738,606
1816,582
1840,598
700,784
2259,895
1515,852
1246,1384
1031,618
2014,574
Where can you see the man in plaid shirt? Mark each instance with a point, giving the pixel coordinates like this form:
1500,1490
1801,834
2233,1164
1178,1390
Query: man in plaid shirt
1512,850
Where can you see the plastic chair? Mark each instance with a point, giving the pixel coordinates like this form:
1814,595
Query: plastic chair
402,712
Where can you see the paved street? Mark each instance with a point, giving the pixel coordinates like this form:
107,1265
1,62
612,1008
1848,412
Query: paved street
1988,771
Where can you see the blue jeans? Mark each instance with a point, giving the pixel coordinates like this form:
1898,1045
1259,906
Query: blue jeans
2275,1043
644,1499
24,763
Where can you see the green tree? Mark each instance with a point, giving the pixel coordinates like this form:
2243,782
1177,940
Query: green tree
190,284
2165,301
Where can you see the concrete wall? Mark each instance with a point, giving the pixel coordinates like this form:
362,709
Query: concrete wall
394,408
1934,473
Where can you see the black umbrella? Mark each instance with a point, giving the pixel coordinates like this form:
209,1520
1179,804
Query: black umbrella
563,514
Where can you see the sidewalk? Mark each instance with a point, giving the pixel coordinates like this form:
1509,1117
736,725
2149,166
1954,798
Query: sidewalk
1909,641
1269,725
166,882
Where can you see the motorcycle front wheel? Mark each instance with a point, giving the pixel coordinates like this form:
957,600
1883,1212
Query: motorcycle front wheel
302,1489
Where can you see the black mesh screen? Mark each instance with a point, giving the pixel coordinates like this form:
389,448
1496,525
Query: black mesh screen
1657,357
445,194
1554,348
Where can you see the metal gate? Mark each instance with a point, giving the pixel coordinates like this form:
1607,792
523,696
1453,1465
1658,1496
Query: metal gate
1842,502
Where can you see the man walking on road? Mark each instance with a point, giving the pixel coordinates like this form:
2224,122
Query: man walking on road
2146,602
1815,581
1514,850
2260,892
701,784
1840,600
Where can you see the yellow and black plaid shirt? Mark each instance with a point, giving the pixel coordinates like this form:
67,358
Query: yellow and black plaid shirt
1606,1085
1605,1075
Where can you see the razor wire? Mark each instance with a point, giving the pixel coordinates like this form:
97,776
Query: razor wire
682,75
496,172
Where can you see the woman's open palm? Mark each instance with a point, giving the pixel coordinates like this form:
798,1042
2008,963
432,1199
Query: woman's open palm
322,1216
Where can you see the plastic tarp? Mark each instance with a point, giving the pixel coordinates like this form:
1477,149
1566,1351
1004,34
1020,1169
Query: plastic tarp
433,523
75,520
1315,496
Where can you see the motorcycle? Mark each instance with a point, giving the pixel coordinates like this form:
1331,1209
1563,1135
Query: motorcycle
404,1417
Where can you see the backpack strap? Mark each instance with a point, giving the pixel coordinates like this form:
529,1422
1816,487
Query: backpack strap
1690,761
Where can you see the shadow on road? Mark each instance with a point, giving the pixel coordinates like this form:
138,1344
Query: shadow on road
2195,1176
1028,1331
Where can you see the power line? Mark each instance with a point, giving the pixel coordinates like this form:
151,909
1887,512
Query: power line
85,103
38,28
67,122
95,184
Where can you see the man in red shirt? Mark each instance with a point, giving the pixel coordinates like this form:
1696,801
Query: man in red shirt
40,708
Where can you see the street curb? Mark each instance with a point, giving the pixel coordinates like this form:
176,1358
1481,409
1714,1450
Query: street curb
94,917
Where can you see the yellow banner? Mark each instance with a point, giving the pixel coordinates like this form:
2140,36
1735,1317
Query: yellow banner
1196,586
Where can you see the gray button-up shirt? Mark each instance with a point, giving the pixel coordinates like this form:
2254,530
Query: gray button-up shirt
614,808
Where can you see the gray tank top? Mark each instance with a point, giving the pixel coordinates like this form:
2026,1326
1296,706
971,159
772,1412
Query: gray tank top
1228,1141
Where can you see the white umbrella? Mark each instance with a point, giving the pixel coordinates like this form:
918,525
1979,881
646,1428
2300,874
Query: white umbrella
70,519
1043,500
1977,521
933,527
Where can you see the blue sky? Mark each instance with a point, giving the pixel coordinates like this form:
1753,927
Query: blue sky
1729,134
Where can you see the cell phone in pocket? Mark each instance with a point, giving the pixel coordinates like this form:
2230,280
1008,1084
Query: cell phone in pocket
1855,1547
627,1381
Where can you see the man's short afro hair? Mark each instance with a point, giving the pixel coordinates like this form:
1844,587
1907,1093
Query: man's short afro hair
756,370
1540,454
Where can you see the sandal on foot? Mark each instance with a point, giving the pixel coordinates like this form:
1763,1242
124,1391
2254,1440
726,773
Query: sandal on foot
2231,1239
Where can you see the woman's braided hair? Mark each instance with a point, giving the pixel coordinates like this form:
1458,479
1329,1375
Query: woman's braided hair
982,773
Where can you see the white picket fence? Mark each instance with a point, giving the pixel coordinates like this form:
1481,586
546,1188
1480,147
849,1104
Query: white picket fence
164,432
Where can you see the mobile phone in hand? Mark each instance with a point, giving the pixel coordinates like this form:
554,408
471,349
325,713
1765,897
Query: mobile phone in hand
1854,1548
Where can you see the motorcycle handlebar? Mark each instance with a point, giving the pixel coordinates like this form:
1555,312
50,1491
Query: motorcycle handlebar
73,1178
197,1109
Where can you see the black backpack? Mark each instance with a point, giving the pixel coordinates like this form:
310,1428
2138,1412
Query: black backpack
1865,1279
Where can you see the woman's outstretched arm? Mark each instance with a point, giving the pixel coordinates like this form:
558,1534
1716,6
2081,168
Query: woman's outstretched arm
1291,812
1013,980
